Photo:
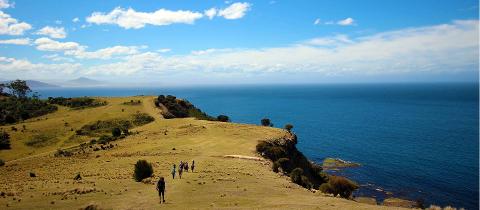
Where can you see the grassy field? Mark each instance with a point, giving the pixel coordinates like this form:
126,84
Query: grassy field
218,181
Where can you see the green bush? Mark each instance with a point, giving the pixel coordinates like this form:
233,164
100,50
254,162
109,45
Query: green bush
4,140
104,139
77,103
305,182
178,108
116,132
266,122
40,140
2,162
296,175
338,185
275,153
143,169
223,118
275,166
285,164
262,146
288,127
141,119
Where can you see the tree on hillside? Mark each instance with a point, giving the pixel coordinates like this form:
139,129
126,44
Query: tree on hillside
19,88
4,140
288,127
223,118
266,122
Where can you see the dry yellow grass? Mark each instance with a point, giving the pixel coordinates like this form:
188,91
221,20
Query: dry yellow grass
218,181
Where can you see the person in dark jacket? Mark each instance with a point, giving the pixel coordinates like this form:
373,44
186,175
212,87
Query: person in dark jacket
193,165
161,189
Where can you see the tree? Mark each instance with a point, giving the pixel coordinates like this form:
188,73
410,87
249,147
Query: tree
223,118
4,140
116,132
338,185
288,127
143,169
19,88
266,122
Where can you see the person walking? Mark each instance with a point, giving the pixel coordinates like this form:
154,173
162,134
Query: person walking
173,170
180,170
161,189
186,166
193,165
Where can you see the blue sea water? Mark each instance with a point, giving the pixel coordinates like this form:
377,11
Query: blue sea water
417,141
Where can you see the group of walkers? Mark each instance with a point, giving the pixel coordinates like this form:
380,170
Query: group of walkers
183,166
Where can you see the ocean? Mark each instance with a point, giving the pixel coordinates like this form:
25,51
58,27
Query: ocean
416,141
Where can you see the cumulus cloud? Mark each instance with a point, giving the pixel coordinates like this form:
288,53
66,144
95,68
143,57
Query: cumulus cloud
11,26
79,51
23,41
53,32
164,50
46,44
5,4
21,68
210,13
235,10
434,49
75,19
129,18
346,22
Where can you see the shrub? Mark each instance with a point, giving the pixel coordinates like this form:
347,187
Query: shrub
338,185
275,166
141,119
223,118
288,127
116,132
305,182
266,122
104,139
275,152
262,146
2,162
296,175
143,170
4,140
40,140
285,164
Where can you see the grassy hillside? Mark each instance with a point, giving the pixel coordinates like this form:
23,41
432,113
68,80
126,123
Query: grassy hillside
107,175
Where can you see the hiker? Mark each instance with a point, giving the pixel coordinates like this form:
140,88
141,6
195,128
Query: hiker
161,189
180,170
193,165
186,166
173,170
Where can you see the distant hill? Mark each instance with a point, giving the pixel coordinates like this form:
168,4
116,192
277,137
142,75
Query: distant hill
35,84
84,81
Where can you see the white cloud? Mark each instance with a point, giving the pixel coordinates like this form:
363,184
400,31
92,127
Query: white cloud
11,26
58,22
21,68
56,57
317,21
75,19
79,51
210,13
5,4
433,49
346,22
164,50
129,18
46,44
235,10
53,32
23,41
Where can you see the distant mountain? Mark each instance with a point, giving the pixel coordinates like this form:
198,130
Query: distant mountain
84,81
36,84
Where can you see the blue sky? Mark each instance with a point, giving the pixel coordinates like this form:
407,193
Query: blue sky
225,42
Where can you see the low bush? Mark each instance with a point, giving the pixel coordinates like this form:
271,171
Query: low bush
142,119
132,102
116,132
143,169
40,140
2,162
338,185
223,118
275,166
178,108
266,122
296,175
285,164
77,103
288,127
4,140
62,153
